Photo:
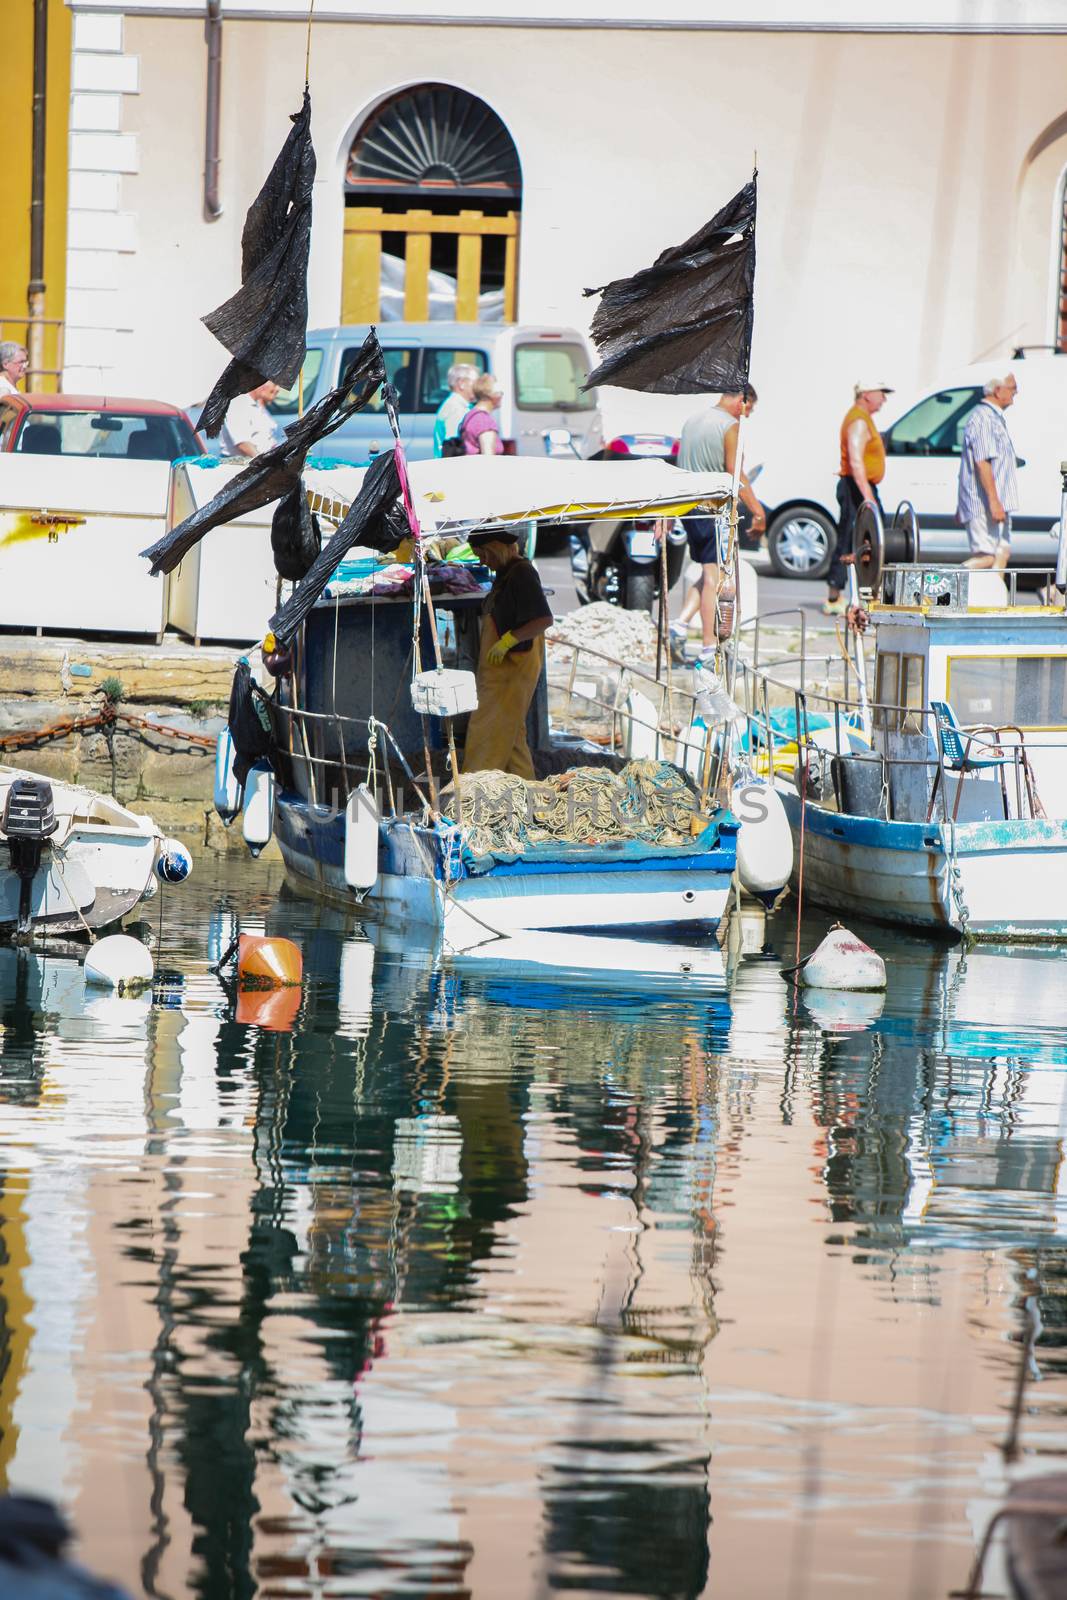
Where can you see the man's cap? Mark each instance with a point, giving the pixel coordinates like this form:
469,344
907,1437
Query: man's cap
488,535
866,388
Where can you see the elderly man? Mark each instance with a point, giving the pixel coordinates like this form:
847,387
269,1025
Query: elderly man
13,364
455,405
861,471
709,444
250,429
989,490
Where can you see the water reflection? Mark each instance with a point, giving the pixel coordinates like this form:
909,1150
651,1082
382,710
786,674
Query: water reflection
475,1278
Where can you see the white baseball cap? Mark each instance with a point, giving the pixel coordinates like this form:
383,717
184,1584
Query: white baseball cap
867,388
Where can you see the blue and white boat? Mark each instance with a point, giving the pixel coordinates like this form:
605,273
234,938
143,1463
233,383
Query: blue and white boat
940,805
354,807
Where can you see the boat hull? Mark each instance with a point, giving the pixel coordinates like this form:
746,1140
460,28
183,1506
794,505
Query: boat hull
658,894
1011,883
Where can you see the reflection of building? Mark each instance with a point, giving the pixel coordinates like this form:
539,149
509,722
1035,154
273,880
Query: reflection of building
577,141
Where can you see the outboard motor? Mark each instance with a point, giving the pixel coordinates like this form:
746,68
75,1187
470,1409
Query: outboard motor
29,823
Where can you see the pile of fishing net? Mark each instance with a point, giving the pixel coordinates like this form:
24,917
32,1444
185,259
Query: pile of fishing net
626,635
648,800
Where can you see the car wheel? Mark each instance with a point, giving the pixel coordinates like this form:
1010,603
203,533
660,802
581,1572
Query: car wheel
641,589
801,543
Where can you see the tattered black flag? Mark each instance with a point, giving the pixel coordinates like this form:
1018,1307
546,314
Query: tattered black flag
276,472
375,519
684,325
264,325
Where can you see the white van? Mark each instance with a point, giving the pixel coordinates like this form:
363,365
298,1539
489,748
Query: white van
922,465
541,371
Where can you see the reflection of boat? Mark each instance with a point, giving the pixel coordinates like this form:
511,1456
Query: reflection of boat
608,963
92,869
945,825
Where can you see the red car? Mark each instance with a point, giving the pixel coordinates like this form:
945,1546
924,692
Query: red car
95,425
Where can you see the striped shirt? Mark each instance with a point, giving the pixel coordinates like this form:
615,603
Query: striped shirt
986,438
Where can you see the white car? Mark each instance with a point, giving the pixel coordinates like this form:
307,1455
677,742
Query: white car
922,465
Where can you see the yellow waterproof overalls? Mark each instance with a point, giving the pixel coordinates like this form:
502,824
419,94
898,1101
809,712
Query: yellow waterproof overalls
496,734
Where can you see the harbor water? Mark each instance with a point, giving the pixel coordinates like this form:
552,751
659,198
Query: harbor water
483,1279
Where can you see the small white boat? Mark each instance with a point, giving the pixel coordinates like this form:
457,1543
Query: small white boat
71,860
942,804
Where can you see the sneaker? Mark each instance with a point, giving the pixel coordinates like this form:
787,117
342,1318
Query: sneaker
835,608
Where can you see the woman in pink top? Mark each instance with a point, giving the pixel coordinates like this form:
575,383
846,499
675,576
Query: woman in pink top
478,431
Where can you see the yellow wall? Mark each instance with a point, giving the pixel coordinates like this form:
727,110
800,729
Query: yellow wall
16,52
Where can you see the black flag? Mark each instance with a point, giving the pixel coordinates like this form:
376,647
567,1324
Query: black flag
684,325
264,325
276,472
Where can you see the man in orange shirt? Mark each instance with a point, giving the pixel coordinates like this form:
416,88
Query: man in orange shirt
862,470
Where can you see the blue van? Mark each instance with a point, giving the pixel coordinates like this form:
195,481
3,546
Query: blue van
541,372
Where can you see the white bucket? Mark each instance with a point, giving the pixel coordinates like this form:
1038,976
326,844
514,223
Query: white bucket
259,807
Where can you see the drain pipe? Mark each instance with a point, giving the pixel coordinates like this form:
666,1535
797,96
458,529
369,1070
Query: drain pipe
213,34
35,287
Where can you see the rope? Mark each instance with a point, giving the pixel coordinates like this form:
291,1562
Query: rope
307,83
57,852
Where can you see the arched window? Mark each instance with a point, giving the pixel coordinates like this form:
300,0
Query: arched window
433,192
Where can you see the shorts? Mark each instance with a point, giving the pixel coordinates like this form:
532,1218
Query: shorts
703,539
985,536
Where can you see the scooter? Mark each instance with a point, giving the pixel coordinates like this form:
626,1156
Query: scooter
620,562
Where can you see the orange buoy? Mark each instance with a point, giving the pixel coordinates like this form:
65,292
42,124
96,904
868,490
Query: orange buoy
268,963
273,1010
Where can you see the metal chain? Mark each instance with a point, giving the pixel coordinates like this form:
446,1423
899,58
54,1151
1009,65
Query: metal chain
955,882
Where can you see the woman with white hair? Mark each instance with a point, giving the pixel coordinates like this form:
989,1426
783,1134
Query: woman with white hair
13,364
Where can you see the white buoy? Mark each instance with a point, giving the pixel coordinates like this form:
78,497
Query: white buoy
119,962
173,862
227,789
640,739
361,839
765,842
838,1011
258,822
842,961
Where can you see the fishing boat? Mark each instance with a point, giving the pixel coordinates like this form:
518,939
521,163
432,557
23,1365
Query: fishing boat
940,803
76,860
352,786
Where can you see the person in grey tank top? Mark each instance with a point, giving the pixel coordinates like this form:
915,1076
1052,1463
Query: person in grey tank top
709,444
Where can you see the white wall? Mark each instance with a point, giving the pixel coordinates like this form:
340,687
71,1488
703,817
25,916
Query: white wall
904,218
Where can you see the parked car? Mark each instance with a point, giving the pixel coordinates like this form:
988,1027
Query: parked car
922,465
541,372
94,425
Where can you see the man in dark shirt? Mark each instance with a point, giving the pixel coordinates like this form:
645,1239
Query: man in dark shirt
514,619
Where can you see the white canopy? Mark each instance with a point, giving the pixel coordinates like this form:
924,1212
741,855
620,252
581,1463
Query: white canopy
467,492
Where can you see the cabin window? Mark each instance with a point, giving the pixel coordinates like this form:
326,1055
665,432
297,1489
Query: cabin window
912,692
887,690
1024,691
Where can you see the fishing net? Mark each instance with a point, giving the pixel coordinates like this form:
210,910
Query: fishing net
684,325
276,472
608,629
648,800
264,325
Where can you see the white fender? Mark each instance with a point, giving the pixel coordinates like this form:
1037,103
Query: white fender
227,788
842,962
259,807
119,962
361,839
689,751
765,843
640,742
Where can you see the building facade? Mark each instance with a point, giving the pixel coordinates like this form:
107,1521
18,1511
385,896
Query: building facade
911,173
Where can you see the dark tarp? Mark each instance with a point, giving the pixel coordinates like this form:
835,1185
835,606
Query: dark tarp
248,720
684,325
276,472
295,537
264,325
374,519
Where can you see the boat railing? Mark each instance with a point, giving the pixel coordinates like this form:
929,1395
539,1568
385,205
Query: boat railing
797,749
893,581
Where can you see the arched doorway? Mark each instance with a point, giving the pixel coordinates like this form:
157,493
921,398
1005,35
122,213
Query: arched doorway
433,193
